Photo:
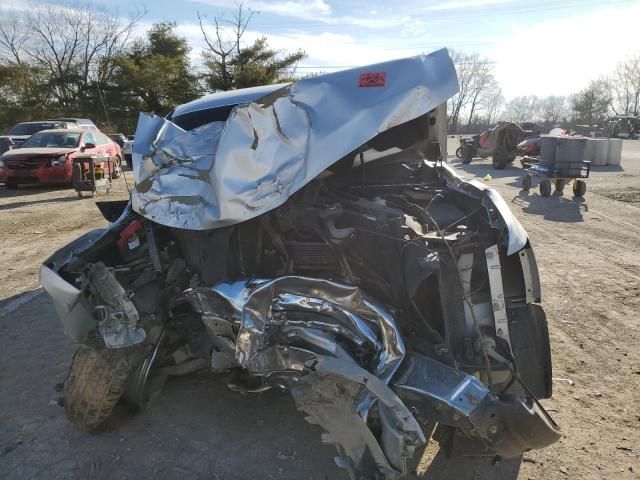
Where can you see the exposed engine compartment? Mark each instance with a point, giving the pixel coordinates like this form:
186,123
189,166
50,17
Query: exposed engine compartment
316,242
382,268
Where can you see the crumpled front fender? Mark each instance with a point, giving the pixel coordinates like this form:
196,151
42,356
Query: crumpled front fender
509,425
311,336
76,320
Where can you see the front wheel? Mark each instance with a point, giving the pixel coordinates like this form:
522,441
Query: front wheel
545,187
526,182
117,168
459,153
579,188
499,158
96,382
499,163
467,154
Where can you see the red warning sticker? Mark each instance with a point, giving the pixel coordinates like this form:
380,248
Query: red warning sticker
373,79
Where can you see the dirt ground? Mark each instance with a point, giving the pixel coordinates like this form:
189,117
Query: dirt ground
588,253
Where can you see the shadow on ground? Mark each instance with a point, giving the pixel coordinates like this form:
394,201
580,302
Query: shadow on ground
556,208
31,189
10,304
471,468
481,167
607,168
11,206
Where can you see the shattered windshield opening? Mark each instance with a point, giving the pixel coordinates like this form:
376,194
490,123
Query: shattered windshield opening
189,121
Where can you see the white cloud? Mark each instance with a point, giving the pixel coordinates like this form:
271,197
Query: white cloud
325,50
319,12
15,5
560,56
464,4
303,9
376,21
331,49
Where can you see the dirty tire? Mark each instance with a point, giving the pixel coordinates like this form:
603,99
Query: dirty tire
545,187
467,154
499,160
459,152
579,188
499,163
117,168
526,182
95,383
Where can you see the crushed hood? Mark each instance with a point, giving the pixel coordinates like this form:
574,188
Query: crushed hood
224,173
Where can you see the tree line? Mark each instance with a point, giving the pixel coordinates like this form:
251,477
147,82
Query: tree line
85,61
480,102
79,60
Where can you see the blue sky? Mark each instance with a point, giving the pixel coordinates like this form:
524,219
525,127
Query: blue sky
539,47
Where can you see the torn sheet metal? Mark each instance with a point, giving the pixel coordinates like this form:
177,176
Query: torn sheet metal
340,308
517,236
334,348
509,424
326,395
118,315
214,176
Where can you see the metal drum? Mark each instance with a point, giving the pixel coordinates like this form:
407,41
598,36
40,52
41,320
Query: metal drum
614,154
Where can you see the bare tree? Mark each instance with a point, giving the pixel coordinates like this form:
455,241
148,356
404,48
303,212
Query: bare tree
25,89
481,79
13,36
553,109
492,102
625,87
475,78
591,105
70,43
522,109
226,44
465,69
234,65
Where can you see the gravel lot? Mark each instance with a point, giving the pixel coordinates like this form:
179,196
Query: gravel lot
589,257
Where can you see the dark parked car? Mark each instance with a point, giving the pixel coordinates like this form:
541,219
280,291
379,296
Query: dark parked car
20,132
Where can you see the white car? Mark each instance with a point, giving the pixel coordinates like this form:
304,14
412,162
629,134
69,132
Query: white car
127,150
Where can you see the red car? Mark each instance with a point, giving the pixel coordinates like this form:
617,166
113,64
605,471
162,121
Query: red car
46,156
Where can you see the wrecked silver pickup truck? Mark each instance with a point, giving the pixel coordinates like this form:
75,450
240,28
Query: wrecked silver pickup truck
310,237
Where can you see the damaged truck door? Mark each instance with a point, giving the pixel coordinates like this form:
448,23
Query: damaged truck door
311,237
